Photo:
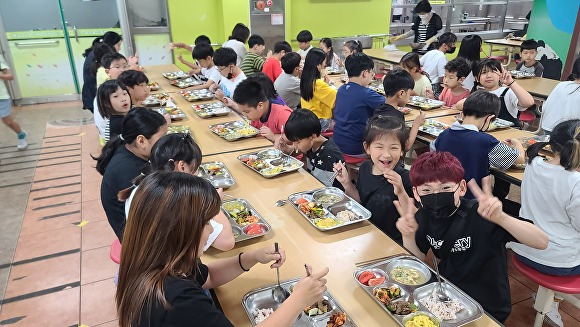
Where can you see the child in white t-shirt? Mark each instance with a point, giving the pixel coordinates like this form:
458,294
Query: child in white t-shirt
434,61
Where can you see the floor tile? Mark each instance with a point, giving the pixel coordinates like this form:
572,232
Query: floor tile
41,203
98,302
59,217
67,167
523,315
93,211
53,175
97,234
90,175
41,244
97,265
519,291
91,191
114,323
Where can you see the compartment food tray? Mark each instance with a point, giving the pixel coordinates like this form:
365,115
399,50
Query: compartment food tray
234,130
174,113
213,109
175,75
197,95
217,174
272,162
425,103
239,230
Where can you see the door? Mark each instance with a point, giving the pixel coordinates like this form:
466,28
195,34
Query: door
267,20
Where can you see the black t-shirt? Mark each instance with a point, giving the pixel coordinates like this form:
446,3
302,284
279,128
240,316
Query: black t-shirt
190,306
114,127
320,163
119,175
386,109
377,195
472,254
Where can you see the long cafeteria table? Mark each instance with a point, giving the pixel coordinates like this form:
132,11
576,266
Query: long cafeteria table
154,74
390,57
538,86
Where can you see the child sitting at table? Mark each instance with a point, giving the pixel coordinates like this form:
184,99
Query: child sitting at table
272,66
529,64
468,236
203,54
136,81
434,61
231,74
304,38
253,60
355,104
303,130
288,83
455,73
410,62
114,102
381,179
477,151
253,103
398,85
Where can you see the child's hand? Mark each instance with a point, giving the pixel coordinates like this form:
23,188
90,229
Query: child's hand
167,119
191,72
406,224
394,179
490,207
180,57
504,76
429,93
267,133
342,176
133,60
220,192
228,102
172,46
219,94
327,79
421,118
513,143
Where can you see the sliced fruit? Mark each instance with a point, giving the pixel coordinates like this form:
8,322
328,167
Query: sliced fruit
376,281
365,276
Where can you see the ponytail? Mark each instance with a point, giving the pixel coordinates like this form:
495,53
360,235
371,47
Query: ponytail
354,45
564,141
570,154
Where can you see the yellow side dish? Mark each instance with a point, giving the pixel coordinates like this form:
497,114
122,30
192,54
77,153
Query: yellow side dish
421,321
326,223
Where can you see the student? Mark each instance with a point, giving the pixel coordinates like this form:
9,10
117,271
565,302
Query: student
253,103
268,88
425,29
136,81
253,60
179,152
562,103
470,50
272,66
237,41
355,104
303,130
332,59
288,83
304,38
167,260
231,74
456,71
315,93
551,200
6,106
434,61
203,54
123,157
529,64
97,68
114,102
198,40
398,85
351,47
381,179
410,62
475,150
468,236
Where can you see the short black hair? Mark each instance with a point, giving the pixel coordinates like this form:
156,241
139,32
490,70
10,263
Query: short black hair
282,46
290,61
529,45
240,32
458,66
397,80
480,104
249,92
357,63
446,38
304,36
423,6
201,39
225,57
133,77
381,125
302,124
108,59
255,39
202,51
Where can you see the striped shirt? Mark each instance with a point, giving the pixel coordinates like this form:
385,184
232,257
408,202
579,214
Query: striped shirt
422,37
252,63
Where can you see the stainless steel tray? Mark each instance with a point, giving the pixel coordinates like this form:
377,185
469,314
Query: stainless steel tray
153,86
471,309
179,129
175,75
519,74
214,109
497,124
239,230
431,127
425,103
333,71
217,174
156,100
261,298
272,162
232,131
186,82
331,211
174,113
197,95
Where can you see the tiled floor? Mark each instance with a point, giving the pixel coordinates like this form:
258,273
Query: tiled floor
55,268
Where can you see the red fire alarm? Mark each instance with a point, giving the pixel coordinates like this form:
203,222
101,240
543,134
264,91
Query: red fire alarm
260,5
269,3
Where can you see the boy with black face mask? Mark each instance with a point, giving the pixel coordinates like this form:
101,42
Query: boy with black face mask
468,236
475,150
434,61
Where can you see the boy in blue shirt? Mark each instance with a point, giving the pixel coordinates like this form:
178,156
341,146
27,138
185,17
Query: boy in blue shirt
475,150
355,104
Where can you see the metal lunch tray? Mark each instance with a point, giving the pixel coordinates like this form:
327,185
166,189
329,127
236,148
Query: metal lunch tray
432,127
223,180
175,75
179,129
230,130
332,71
425,103
471,309
186,82
159,99
261,298
174,114
498,123
213,109
527,141
379,88
153,86
330,211
239,230
288,163
197,95
519,74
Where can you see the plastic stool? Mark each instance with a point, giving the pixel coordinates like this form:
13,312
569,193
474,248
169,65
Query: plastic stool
527,116
548,286
115,252
328,134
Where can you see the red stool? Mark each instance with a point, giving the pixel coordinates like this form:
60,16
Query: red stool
548,285
527,117
115,252
328,134
353,160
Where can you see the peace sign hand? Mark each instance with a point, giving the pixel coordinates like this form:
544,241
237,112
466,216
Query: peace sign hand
407,224
490,207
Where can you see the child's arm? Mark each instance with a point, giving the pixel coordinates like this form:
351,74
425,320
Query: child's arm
516,144
175,45
420,120
195,68
525,99
225,240
407,225
490,208
6,75
206,85
459,105
343,178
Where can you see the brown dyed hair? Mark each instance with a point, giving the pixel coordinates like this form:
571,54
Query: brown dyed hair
162,239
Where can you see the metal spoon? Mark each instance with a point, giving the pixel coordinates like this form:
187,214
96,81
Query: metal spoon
439,291
278,293
280,203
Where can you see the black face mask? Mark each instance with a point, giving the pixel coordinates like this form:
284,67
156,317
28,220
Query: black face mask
488,124
440,205
451,49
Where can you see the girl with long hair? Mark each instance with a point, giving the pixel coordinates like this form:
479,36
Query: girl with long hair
316,95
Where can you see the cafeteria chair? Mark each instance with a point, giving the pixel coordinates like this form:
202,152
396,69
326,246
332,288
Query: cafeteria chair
115,252
564,286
